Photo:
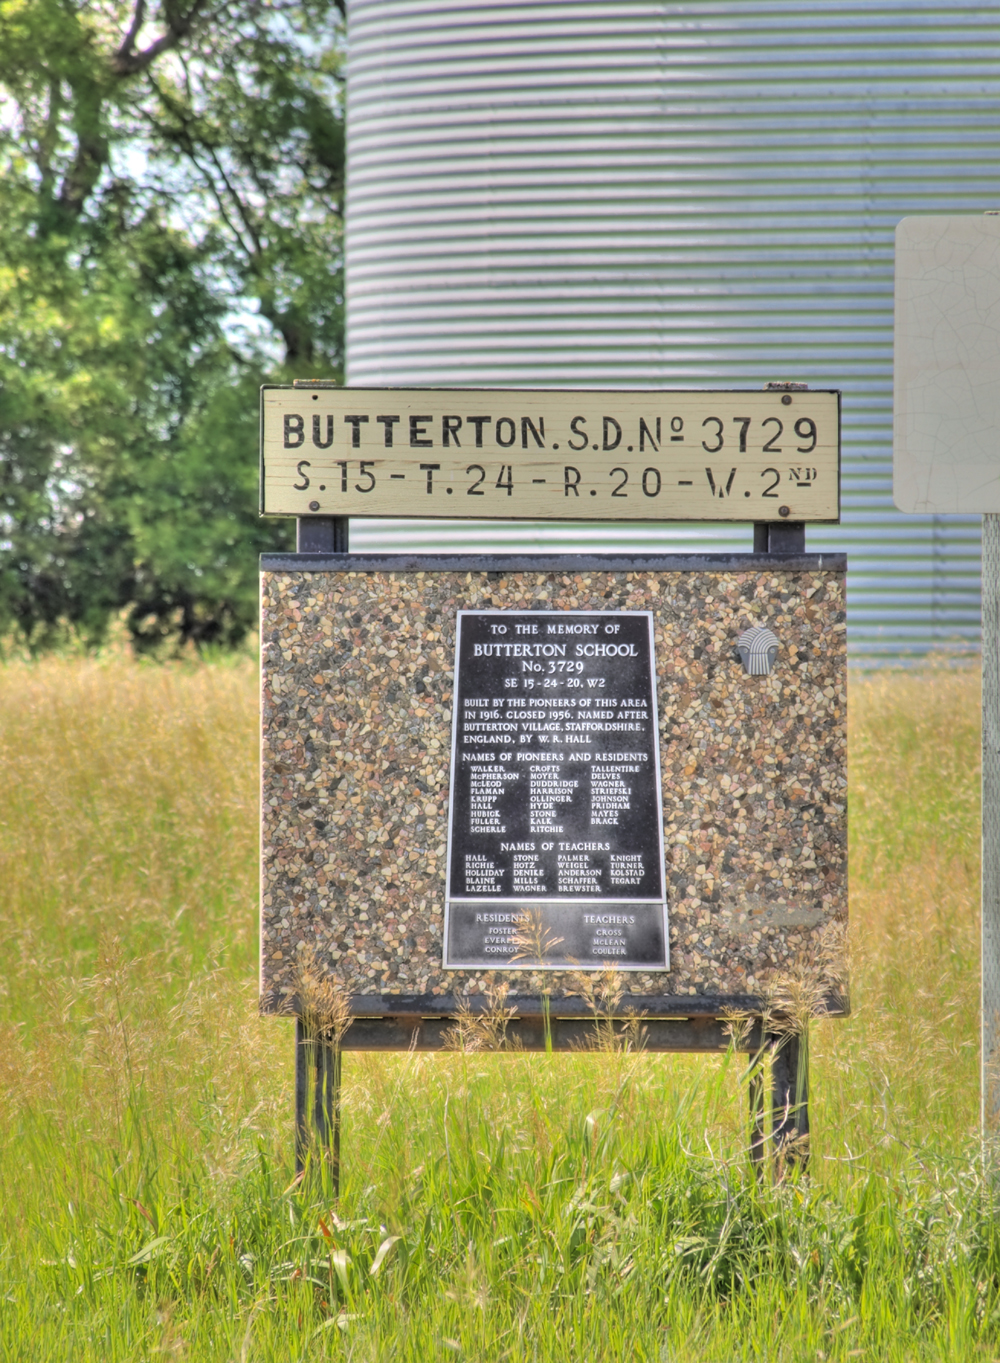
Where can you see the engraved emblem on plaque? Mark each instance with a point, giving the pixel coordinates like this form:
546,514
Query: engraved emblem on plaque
758,648
555,827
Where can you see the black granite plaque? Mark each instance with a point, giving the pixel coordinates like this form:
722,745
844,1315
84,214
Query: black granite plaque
555,828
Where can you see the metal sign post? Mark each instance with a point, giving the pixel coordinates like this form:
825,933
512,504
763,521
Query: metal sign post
990,1098
946,422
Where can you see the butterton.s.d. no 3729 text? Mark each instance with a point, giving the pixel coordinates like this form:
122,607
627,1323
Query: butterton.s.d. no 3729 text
547,455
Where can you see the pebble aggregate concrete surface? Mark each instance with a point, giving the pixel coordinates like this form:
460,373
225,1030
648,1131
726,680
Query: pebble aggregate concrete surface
357,675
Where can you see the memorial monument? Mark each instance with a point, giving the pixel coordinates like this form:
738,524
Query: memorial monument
522,768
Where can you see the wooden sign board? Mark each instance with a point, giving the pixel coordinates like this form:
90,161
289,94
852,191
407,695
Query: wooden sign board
550,455
746,736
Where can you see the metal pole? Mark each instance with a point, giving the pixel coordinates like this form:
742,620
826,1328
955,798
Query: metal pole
990,999
322,535
334,1061
790,1096
779,537
301,1094
755,1094
326,1079
320,1093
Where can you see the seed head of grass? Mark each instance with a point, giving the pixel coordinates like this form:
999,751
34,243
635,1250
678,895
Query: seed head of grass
805,990
324,1003
534,941
738,1023
483,1029
615,1029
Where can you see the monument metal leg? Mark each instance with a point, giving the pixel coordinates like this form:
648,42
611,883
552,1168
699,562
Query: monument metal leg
301,1094
755,1094
327,1063
327,1109
790,1099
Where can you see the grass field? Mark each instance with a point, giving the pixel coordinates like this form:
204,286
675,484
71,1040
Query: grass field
494,1207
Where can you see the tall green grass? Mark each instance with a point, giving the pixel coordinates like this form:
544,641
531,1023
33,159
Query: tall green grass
494,1207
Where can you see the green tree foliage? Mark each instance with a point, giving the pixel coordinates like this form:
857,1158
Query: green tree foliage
170,194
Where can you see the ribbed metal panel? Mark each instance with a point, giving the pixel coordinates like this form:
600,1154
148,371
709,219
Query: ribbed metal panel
645,193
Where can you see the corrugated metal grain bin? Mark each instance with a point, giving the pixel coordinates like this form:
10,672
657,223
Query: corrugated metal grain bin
658,194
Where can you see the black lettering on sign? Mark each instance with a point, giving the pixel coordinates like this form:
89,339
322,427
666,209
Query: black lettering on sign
713,449
769,490
430,470
356,422
388,422
771,447
555,842
576,426
722,491
322,444
646,434
611,424
506,425
571,481
295,431
479,422
418,433
805,429
539,436
450,427
301,467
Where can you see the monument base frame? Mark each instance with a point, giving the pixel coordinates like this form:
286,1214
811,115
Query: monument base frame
319,1066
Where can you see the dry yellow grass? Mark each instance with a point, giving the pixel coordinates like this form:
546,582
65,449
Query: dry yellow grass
143,1102
128,836
129,803
911,1051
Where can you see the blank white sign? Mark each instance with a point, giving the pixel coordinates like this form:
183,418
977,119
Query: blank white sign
946,418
